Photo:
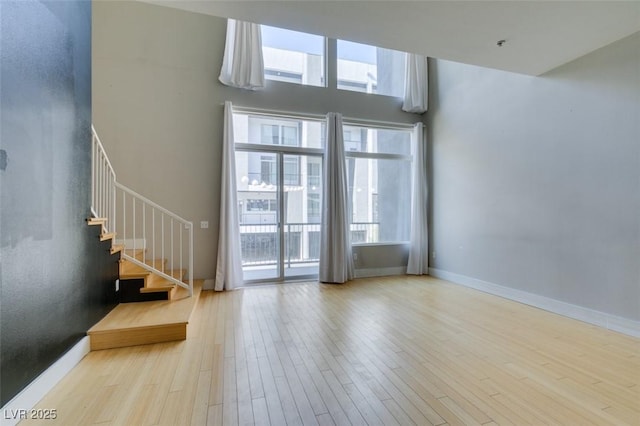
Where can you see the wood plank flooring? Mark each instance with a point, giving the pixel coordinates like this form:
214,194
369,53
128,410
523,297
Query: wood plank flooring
387,351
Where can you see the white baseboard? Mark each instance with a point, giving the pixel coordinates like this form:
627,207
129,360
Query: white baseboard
209,284
41,385
591,316
380,272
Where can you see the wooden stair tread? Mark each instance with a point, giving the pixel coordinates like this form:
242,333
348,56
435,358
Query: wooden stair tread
128,270
117,248
176,273
153,283
107,236
132,324
131,270
158,281
135,253
146,314
96,221
158,285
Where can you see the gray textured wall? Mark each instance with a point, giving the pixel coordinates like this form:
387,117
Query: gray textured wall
56,277
536,180
157,105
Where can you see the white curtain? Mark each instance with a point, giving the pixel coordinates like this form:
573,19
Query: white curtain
419,249
416,84
336,261
243,65
229,265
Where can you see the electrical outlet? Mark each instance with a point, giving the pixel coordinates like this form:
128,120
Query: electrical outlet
204,224
433,254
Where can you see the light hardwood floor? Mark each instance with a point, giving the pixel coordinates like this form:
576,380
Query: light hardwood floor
392,351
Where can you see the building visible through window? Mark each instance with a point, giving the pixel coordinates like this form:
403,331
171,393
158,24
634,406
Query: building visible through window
279,180
379,176
293,56
296,57
370,69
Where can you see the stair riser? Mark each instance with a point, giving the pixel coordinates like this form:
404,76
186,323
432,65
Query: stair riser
134,337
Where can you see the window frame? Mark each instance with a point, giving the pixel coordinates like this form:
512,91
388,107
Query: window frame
324,77
363,124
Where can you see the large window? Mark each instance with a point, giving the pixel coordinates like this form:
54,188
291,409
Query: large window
293,57
370,69
379,175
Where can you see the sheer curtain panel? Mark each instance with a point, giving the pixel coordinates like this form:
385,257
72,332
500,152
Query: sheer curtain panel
229,265
416,84
419,249
243,65
336,261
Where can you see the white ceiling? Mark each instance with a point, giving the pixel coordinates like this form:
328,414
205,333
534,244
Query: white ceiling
540,35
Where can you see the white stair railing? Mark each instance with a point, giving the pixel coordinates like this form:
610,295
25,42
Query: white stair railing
163,239
103,190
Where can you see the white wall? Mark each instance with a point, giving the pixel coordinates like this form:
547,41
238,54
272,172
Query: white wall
536,180
157,105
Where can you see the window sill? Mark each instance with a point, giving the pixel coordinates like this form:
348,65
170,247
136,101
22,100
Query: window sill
387,243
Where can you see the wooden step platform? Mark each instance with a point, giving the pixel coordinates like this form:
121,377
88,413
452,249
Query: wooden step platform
141,323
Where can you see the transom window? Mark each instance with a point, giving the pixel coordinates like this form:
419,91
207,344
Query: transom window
293,56
266,130
370,69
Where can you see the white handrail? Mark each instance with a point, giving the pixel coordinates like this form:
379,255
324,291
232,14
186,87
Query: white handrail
103,178
105,193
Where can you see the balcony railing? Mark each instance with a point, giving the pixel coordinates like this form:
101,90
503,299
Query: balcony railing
271,178
260,242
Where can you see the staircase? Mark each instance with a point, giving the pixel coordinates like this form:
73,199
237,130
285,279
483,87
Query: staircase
155,266
139,284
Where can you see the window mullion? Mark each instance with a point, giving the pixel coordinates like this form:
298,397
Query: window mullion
278,148
332,63
377,155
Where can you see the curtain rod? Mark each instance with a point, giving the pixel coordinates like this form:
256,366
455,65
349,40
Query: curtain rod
319,117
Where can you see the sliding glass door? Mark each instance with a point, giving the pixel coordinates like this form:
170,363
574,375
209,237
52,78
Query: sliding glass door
279,178
302,201
258,208
279,204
